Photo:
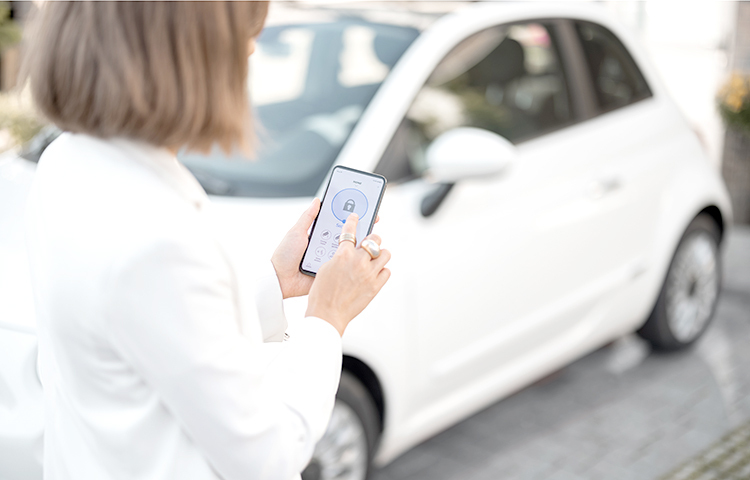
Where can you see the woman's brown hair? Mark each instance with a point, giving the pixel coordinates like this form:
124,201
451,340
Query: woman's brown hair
170,73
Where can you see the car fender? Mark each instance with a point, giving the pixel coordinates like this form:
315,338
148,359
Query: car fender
690,191
379,338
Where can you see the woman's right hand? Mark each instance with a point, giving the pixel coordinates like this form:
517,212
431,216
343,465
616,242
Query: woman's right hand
346,284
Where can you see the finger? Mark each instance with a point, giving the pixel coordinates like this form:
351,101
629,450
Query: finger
362,257
374,237
382,277
377,219
350,226
383,258
307,218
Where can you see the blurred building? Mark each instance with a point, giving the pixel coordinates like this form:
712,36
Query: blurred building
741,53
690,44
736,158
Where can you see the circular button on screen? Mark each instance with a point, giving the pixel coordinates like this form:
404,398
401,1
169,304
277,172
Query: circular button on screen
348,201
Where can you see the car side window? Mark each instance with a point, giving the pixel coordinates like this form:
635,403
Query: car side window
506,79
616,79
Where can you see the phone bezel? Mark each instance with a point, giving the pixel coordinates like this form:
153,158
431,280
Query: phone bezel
315,223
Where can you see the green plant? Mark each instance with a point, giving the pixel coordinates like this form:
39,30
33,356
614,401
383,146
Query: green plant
10,32
18,117
734,102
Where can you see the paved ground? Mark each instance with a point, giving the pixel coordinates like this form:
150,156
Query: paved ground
622,412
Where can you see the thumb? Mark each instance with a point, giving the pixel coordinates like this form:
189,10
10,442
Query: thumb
307,218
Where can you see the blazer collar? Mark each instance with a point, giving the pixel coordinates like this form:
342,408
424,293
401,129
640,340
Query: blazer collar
165,165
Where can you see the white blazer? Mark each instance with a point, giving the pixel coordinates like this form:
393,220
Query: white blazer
152,367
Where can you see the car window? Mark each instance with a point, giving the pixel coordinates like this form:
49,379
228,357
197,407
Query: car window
616,80
507,79
309,84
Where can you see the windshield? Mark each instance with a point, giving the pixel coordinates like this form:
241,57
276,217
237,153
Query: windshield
309,85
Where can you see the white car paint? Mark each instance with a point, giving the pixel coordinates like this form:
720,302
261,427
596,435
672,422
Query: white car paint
483,153
482,301
21,403
580,192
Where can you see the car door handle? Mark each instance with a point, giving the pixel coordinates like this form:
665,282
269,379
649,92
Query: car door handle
432,201
605,186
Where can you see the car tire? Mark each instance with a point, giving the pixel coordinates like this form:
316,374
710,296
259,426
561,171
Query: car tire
346,450
690,291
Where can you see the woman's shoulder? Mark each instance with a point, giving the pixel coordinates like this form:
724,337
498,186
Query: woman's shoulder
116,173
118,160
115,193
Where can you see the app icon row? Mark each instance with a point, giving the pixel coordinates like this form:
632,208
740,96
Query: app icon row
326,235
320,252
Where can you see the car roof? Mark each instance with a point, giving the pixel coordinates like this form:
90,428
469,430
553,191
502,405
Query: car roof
421,15
417,15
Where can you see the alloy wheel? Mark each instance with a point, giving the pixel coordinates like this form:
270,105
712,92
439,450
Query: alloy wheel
692,286
342,453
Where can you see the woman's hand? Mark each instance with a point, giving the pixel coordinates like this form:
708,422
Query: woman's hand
347,283
288,255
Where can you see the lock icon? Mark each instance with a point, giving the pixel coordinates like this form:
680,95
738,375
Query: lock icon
349,205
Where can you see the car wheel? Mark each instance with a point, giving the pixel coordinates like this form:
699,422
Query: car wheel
346,449
690,292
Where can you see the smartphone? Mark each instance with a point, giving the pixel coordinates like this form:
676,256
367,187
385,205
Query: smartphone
348,191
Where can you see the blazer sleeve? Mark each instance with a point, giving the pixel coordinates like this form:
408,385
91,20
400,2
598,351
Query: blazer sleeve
172,314
269,303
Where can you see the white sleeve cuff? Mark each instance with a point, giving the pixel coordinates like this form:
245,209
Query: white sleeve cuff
305,374
270,304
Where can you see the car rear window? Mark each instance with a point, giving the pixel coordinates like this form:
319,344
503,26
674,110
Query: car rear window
616,79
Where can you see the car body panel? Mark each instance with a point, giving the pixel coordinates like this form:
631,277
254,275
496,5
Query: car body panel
21,401
16,175
633,282
21,407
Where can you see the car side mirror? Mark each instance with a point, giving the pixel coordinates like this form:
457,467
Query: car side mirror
463,153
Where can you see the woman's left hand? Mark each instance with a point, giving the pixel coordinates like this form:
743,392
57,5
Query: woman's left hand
288,255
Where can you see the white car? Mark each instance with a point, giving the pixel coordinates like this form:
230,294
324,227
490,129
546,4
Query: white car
545,197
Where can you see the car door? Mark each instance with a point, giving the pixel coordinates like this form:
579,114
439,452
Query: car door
508,271
632,160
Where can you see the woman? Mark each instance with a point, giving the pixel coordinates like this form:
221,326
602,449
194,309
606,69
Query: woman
152,367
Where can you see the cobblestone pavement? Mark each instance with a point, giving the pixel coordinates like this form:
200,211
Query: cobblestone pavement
729,458
622,412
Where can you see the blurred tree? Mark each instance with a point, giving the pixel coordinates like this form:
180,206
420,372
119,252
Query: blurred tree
18,120
10,32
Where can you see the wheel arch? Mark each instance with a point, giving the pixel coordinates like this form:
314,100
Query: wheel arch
714,212
672,233
656,329
370,380
695,189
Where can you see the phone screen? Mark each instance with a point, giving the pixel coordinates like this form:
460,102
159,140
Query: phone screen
349,191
